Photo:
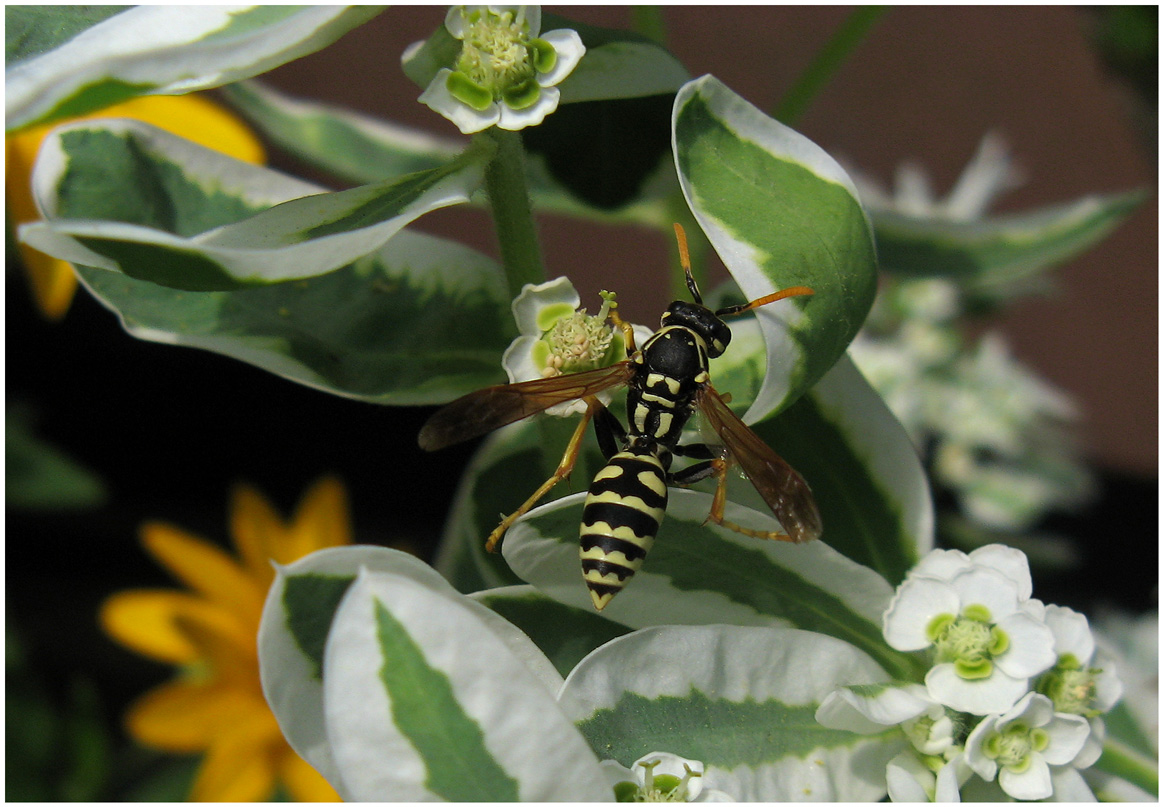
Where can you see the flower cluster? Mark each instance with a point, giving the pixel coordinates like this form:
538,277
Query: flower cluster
507,71
1014,691
999,434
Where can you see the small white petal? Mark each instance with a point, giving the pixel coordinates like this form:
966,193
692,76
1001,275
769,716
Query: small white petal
1069,786
437,98
917,602
1032,783
514,120
986,696
950,778
987,176
943,564
1092,748
1108,687
869,714
975,757
914,194
1031,646
456,21
1068,735
532,17
1071,632
568,45
1010,562
517,360
982,586
533,298
908,779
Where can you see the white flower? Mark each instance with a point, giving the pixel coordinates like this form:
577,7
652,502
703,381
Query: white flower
1020,746
507,71
933,769
912,778
661,777
976,614
988,175
556,338
1083,681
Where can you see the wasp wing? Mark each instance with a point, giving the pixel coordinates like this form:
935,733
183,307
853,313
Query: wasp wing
780,485
491,408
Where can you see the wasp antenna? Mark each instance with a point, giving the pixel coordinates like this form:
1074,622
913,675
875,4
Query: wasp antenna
790,291
684,258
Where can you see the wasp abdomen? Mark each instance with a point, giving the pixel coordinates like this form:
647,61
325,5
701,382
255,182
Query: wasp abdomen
623,510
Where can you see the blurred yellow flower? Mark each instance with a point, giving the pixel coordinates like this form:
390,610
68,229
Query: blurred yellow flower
216,705
193,117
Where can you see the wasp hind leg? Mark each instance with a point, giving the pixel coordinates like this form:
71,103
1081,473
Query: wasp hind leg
564,469
717,466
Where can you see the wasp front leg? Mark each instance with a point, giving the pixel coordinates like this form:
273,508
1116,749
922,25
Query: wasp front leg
716,465
564,469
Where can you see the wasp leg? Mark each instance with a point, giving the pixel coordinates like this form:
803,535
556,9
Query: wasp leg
564,468
627,328
717,467
611,436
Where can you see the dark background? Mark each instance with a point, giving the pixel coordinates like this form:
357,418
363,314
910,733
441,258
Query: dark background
170,430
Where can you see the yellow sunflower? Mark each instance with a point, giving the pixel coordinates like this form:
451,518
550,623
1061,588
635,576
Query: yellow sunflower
215,705
193,117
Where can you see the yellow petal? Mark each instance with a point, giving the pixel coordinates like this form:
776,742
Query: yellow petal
231,655
322,520
241,766
206,569
304,783
147,622
258,531
193,117
185,717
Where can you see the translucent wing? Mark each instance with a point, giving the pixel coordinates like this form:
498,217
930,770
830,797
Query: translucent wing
493,407
784,490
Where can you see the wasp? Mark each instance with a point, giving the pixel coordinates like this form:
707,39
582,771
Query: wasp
667,381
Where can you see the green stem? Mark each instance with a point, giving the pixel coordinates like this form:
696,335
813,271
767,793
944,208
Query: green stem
512,212
647,20
796,100
1122,761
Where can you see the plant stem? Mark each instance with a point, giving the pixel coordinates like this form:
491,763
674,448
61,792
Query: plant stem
1122,761
647,20
849,35
512,213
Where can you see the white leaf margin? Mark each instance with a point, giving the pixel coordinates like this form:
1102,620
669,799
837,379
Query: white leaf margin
297,698
783,142
261,248
740,664
171,49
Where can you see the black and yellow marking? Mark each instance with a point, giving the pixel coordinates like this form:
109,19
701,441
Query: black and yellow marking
622,513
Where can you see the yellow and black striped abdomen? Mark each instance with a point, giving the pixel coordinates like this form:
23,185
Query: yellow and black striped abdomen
623,510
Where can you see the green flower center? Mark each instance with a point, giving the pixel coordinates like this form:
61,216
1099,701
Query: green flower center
500,61
660,789
575,342
1070,686
970,641
1013,746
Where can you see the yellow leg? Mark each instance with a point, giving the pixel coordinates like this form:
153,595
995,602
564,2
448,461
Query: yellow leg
564,468
719,504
